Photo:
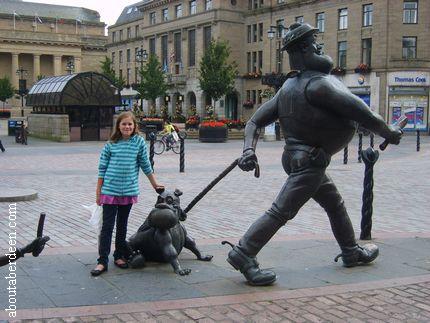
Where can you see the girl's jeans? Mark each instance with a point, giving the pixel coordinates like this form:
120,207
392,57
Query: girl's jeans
110,212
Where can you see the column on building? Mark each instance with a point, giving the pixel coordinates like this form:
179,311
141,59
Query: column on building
57,65
78,64
15,67
36,67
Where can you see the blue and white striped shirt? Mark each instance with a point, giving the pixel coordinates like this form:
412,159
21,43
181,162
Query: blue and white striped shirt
119,166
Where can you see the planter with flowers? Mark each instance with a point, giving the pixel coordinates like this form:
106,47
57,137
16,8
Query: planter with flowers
252,75
362,69
192,122
213,131
248,104
340,71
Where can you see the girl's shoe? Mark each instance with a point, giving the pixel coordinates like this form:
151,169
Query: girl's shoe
98,272
121,263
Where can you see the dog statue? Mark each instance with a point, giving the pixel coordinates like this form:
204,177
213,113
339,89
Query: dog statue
161,237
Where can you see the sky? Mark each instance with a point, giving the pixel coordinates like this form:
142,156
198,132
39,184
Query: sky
109,9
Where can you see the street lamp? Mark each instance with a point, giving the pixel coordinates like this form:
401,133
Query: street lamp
22,91
141,57
271,34
70,66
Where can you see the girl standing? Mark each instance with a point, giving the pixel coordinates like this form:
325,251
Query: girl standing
118,187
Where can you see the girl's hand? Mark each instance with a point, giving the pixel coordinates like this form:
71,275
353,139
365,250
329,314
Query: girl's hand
159,188
98,199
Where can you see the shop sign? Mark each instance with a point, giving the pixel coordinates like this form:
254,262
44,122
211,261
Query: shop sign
409,79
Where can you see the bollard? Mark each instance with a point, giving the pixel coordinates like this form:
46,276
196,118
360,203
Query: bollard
182,154
372,140
152,137
418,140
360,146
370,157
345,155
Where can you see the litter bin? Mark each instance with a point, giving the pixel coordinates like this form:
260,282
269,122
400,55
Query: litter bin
149,129
13,126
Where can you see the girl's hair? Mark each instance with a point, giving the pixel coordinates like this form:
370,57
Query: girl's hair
116,134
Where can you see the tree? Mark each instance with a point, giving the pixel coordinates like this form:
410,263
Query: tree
108,71
216,73
152,84
6,89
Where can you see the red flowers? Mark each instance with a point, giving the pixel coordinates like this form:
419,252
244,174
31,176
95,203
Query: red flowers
212,124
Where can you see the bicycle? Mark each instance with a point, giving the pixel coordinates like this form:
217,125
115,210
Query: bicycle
160,145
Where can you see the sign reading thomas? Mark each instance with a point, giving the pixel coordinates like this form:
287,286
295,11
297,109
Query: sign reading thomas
409,78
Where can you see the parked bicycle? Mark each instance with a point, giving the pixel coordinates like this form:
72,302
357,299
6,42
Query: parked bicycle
167,142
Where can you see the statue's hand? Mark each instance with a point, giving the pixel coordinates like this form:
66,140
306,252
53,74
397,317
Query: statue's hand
394,135
36,246
182,215
248,161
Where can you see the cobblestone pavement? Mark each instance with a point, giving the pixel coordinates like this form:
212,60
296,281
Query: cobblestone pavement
406,303
65,177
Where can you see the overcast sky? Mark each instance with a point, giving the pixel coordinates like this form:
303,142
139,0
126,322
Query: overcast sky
109,9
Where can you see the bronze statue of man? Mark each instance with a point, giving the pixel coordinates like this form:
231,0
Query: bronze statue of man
319,116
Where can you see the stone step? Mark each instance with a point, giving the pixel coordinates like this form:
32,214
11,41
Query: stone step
232,134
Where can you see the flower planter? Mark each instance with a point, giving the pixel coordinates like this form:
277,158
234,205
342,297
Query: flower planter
213,134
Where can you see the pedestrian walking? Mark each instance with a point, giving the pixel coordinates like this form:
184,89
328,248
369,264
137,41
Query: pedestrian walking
117,187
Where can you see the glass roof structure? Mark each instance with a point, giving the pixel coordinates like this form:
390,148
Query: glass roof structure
82,89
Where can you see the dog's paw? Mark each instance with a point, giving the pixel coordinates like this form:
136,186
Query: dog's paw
206,258
183,272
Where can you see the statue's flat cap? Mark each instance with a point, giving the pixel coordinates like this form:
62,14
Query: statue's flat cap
297,32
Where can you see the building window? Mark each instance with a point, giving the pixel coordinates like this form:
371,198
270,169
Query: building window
152,46
259,97
152,18
178,11
299,19
136,31
165,14
341,56
113,58
410,12
254,33
191,47
208,5
260,60
128,32
249,34
254,96
366,51
343,19
193,7
128,75
178,49
280,31
120,57
409,47
113,37
248,62
164,52
136,75
260,31
254,62
367,15
320,21
121,76
248,95
207,36
120,35
128,55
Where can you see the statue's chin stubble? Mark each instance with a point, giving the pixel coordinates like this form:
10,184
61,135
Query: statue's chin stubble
321,63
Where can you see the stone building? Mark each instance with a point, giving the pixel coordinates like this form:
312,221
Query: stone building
380,48
48,40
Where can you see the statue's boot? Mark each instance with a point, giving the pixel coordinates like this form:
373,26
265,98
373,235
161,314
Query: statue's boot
358,255
352,254
243,256
249,267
